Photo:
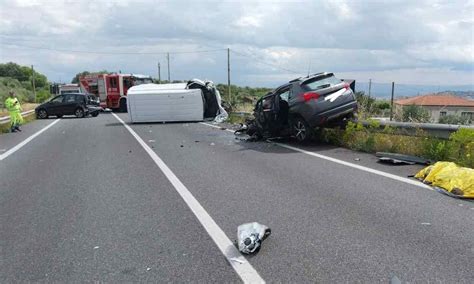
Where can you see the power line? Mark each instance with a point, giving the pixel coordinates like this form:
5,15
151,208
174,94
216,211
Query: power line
110,52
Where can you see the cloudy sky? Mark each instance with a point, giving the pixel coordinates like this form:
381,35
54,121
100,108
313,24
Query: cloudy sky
410,42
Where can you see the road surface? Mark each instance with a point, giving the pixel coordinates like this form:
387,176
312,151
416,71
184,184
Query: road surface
85,201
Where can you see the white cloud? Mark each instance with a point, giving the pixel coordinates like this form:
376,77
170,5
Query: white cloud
403,39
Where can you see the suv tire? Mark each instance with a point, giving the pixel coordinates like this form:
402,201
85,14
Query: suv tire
42,114
301,130
79,112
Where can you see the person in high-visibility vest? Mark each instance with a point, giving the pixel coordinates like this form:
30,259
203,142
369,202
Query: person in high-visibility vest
14,109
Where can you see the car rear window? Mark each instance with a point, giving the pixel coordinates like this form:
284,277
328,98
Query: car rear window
321,82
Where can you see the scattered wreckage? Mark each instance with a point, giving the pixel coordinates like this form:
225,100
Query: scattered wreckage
195,100
250,237
301,105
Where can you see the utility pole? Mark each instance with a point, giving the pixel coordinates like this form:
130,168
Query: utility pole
159,73
33,82
168,59
228,74
370,86
391,102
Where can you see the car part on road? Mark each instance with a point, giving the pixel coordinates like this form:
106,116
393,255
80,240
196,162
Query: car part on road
449,178
250,237
396,158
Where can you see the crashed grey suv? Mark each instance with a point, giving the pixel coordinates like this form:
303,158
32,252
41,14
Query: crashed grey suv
301,105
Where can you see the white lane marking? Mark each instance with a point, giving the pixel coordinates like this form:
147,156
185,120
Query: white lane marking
243,268
359,167
27,140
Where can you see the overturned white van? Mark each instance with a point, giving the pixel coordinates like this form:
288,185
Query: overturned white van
192,101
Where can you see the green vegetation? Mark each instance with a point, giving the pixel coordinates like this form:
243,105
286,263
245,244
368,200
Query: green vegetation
459,148
414,113
20,80
242,98
454,119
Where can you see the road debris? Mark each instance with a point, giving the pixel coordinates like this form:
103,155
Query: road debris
148,269
151,141
396,159
449,178
356,159
237,260
395,280
96,247
212,144
426,224
250,237
196,141
181,146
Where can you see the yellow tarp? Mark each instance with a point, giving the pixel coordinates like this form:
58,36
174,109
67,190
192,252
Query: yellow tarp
454,179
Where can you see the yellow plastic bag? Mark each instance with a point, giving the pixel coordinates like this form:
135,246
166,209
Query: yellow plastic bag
454,179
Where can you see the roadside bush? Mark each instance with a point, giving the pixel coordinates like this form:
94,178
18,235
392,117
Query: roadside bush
453,119
462,146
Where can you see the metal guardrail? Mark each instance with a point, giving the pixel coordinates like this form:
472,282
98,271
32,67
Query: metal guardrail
432,129
6,119
437,130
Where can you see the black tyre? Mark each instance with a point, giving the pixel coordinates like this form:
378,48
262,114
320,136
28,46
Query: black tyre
123,105
95,114
79,112
301,130
42,114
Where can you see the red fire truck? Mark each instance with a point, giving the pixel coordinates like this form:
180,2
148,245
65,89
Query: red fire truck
112,89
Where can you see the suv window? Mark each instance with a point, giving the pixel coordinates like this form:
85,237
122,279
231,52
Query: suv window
58,99
268,102
284,95
70,98
321,82
80,98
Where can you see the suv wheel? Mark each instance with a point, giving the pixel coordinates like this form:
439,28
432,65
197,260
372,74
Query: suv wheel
301,130
42,113
79,113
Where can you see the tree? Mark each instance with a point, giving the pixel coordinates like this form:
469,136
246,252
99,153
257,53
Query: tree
414,113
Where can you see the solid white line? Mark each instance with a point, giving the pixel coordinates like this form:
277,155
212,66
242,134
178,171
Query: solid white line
244,269
27,140
355,166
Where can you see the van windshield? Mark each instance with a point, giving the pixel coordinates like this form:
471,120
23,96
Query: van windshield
321,82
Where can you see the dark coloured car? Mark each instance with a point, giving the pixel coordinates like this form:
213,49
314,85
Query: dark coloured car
303,104
77,104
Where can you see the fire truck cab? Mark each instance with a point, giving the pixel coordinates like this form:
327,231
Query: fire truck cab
112,88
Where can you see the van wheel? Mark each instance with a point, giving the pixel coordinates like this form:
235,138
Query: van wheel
123,105
42,113
79,113
301,130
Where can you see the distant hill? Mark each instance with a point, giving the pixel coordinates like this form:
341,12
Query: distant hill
383,91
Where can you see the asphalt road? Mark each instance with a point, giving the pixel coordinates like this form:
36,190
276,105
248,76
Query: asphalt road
83,201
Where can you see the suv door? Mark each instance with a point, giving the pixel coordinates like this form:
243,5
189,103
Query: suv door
54,106
266,114
70,104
